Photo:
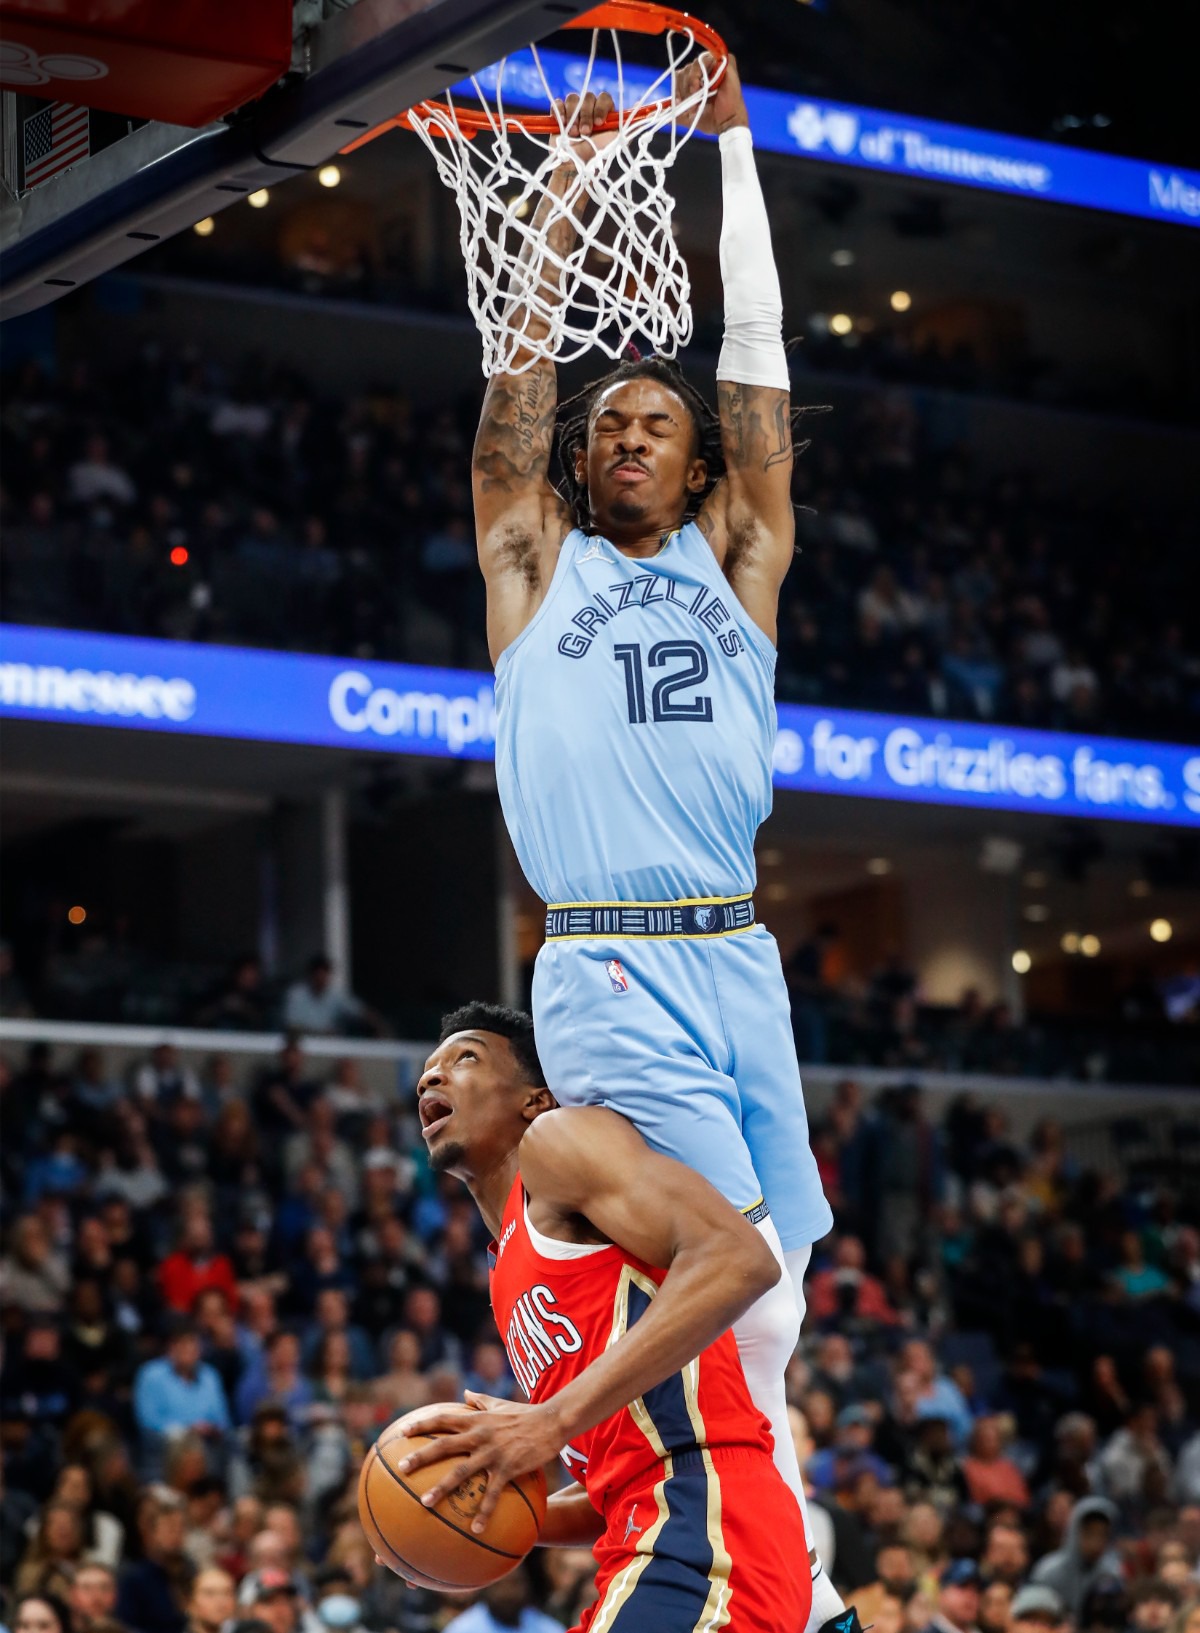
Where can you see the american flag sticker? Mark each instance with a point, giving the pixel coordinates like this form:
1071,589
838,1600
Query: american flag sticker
55,138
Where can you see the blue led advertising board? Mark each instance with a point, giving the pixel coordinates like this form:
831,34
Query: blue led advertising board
282,697
872,139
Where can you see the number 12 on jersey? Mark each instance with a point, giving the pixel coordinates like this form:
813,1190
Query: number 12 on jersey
665,704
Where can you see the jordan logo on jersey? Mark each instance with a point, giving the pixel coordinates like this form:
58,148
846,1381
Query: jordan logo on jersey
595,552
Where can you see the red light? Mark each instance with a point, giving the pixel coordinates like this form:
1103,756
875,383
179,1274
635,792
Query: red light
179,556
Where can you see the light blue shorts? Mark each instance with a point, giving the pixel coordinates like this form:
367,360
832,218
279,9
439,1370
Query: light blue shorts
691,1040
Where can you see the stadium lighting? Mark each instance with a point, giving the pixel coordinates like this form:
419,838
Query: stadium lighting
205,228
259,200
329,175
76,915
1021,961
878,866
843,257
179,556
1161,930
901,300
1139,887
841,323
1036,912
1089,946
1070,942
771,858
777,893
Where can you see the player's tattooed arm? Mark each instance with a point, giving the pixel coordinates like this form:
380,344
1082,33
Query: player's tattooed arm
516,432
520,518
748,517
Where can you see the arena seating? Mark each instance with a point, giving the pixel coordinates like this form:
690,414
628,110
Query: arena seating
996,1335
174,499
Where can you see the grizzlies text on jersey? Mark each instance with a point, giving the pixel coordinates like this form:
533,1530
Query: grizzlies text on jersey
635,728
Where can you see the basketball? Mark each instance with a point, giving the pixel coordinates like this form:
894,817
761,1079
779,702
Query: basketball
434,1547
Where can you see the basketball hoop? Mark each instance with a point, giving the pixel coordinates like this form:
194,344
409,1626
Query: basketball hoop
624,276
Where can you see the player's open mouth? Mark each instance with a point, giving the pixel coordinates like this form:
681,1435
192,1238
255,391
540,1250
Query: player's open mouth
435,1113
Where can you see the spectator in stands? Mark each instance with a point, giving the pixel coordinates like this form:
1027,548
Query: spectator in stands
283,1094
179,1391
274,1600
1086,1557
275,1376
1037,1610
38,1388
935,1389
331,1314
212,1602
1132,1455
958,1598
96,477
423,1316
506,1607
40,1613
93,1596
241,1003
162,1080
846,1290
316,1007
56,1549
195,1266
154,1589
34,1277
103,1533
403,1386
317,1145
992,1477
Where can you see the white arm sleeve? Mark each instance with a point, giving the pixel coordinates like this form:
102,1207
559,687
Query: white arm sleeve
753,353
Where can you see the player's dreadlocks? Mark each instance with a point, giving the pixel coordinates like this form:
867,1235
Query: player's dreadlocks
574,416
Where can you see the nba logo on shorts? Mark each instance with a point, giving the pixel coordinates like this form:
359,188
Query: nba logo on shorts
620,981
706,917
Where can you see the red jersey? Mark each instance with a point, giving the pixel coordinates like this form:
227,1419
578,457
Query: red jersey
559,1305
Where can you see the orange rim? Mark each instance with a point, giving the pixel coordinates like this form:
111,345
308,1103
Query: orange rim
627,16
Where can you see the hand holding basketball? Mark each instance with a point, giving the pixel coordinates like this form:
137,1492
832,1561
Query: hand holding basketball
726,105
502,1441
433,1524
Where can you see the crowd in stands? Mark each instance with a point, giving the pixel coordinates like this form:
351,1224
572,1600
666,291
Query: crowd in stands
172,498
214,1293
1151,1036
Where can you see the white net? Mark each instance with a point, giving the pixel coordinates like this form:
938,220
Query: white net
623,278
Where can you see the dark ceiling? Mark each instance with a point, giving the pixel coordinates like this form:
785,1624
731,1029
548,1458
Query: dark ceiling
1024,66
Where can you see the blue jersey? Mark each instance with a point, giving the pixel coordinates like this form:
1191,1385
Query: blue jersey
636,727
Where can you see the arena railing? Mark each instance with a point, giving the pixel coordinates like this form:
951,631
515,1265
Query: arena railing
1089,1112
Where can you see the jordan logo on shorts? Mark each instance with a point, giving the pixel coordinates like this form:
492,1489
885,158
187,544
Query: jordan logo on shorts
630,1528
620,981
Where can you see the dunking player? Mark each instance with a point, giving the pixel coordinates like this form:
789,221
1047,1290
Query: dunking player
632,625
613,1269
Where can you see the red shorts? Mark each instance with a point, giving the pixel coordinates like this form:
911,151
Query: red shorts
715,1543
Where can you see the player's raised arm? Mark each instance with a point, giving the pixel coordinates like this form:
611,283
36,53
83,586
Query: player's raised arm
520,519
748,517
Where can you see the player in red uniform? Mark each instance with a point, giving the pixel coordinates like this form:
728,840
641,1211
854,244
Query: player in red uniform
616,1275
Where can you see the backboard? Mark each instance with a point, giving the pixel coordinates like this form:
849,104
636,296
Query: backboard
353,66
